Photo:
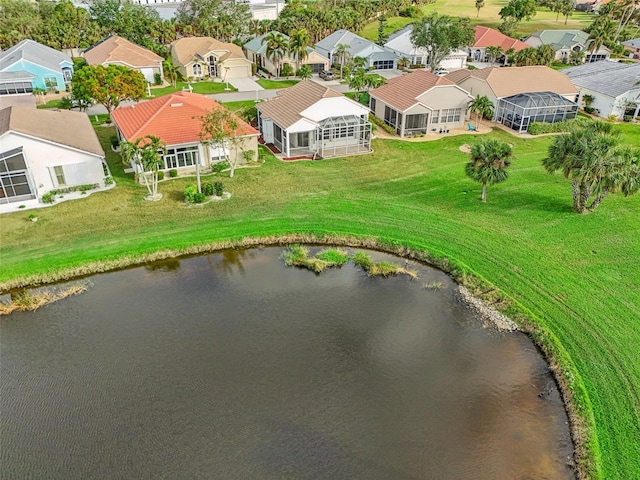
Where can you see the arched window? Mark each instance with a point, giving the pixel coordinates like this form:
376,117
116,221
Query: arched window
197,70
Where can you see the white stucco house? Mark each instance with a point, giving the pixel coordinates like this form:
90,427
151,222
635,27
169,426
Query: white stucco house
614,86
314,121
400,43
45,150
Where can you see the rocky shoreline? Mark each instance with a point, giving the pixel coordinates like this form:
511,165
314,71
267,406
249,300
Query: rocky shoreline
488,314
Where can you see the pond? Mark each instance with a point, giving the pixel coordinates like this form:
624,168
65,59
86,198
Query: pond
233,366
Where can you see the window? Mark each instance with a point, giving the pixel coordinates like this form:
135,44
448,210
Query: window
451,115
50,83
383,64
67,73
12,88
415,122
435,116
372,104
181,157
197,69
59,173
14,181
299,140
390,116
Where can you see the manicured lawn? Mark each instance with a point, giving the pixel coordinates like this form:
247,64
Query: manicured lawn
270,84
576,278
544,19
50,104
203,87
239,105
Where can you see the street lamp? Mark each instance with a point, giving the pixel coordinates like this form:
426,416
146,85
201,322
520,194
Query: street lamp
226,72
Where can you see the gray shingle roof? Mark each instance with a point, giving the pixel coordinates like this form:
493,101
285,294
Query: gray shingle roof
34,52
358,46
635,43
607,77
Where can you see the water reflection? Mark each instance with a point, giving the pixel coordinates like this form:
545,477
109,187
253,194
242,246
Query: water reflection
233,366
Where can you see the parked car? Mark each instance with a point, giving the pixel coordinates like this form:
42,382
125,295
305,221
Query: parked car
326,75
441,71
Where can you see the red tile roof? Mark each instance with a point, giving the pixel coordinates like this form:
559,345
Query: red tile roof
402,92
174,118
487,37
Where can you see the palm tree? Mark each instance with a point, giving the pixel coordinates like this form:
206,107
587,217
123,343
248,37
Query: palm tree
305,72
482,107
298,44
170,72
277,47
146,153
488,163
596,162
357,81
601,32
546,55
342,52
479,5
494,52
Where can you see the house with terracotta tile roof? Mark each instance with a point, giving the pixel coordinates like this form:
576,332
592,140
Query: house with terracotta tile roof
420,103
115,50
44,150
314,121
206,57
536,89
256,50
488,37
175,119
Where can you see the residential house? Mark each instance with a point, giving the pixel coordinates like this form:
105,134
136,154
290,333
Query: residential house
614,87
633,47
564,42
488,37
115,50
29,64
419,103
175,119
376,57
44,150
257,53
315,121
522,95
204,57
400,43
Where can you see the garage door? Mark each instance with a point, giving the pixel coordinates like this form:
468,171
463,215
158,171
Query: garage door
240,71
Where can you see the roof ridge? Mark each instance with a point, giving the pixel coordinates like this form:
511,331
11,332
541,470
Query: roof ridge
162,106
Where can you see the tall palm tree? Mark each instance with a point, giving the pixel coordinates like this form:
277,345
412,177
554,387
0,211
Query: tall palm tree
146,153
481,106
488,163
601,32
298,42
342,52
277,47
170,72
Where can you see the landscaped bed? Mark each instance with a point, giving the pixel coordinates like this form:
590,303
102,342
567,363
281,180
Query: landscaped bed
571,279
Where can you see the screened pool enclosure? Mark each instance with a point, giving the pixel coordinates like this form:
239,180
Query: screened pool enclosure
519,111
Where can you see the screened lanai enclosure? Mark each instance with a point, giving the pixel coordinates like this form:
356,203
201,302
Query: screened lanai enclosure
519,111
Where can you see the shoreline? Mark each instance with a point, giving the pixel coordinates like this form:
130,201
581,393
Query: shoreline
469,284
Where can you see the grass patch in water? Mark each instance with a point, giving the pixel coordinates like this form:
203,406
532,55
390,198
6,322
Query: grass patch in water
298,256
25,300
383,269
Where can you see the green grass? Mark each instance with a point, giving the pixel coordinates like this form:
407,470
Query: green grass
239,105
575,278
50,104
271,84
203,87
544,19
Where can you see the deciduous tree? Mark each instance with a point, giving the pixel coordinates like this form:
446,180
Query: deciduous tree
108,85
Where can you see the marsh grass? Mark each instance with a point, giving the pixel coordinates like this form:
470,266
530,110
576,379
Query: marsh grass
381,269
336,257
25,300
435,285
298,256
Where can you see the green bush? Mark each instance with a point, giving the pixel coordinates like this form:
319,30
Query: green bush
173,173
219,167
380,123
207,189
108,180
48,197
115,141
218,188
286,70
157,78
627,118
589,109
537,128
160,175
410,12
199,198
189,193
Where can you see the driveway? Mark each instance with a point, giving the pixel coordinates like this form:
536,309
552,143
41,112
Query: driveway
245,84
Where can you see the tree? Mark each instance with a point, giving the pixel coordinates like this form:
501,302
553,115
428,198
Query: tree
482,107
494,52
382,37
439,35
277,47
108,85
488,163
219,129
170,72
566,9
146,153
357,81
298,44
305,72
600,32
596,162
519,10
479,5
342,53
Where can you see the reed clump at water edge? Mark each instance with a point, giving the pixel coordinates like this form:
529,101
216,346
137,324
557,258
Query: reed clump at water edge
298,256
25,300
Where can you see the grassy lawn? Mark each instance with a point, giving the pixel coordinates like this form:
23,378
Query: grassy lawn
50,104
271,84
203,87
575,278
544,19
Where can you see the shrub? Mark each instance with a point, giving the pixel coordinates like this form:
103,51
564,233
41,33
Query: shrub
537,128
115,141
157,78
627,118
589,109
286,70
173,173
219,167
207,189
190,192
160,175
48,197
218,188
108,180
198,198
387,128
410,12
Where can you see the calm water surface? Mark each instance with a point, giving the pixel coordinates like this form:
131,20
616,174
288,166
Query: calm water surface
232,366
